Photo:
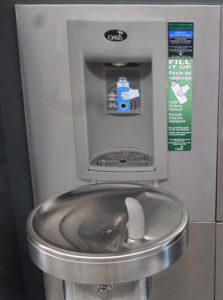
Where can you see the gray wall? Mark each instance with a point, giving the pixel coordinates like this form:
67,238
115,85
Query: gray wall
19,279
11,278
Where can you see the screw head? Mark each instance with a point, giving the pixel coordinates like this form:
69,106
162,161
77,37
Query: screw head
104,290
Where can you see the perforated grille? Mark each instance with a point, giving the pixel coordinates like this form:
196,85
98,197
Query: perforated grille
123,159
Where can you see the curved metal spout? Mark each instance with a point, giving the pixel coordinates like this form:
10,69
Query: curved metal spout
136,222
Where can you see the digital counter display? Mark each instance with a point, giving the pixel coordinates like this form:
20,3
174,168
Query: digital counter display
180,39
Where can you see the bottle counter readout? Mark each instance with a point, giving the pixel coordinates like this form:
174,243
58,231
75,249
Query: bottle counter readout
180,39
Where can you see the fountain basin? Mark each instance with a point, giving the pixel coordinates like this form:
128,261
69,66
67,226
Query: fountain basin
82,236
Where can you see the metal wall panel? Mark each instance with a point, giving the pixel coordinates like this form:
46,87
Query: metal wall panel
219,262
158,2
219,214
192,277
45,68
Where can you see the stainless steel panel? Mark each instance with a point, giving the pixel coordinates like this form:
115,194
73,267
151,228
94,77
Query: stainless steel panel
219,214
135,290
219,262
53,288
192,175
42,35
192,277
145,132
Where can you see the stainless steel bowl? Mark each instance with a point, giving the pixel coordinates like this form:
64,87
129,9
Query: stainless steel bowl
82,236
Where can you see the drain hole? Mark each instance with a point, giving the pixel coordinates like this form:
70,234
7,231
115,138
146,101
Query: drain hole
107,231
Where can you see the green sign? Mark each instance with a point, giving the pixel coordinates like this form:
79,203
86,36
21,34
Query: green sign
179,104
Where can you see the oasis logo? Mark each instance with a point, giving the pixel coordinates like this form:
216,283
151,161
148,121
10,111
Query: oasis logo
116,35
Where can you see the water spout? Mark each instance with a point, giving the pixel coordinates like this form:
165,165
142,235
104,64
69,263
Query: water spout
136,222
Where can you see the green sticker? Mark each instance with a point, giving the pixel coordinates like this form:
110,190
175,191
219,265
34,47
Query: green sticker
179,104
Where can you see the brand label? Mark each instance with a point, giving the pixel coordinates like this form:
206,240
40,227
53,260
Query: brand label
116,35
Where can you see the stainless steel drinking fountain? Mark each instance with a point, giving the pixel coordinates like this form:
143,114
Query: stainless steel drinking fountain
95,93
107,240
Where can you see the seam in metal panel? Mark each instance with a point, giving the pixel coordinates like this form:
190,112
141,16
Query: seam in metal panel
219,171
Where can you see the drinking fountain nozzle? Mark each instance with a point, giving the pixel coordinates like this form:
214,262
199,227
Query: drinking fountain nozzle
136,222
